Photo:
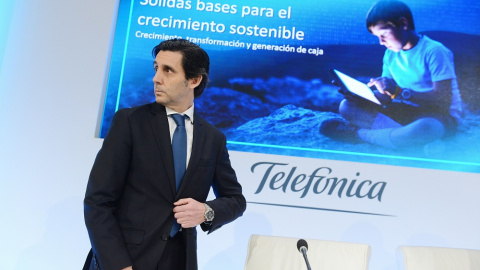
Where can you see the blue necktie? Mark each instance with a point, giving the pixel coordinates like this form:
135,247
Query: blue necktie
179,147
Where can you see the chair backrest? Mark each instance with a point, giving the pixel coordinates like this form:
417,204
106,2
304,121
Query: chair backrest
281,253
437,258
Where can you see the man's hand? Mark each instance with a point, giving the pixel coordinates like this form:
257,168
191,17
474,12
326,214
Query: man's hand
128,268
189,212
385,86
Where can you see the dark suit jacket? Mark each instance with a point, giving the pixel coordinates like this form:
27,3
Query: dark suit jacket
131,189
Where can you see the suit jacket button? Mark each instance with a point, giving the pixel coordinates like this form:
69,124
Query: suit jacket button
165,237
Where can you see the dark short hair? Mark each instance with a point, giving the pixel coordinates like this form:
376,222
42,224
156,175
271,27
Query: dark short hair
195,60
389,11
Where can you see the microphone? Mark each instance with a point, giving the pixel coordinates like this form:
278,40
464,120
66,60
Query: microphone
302,246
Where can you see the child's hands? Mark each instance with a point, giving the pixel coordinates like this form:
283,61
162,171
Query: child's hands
385,86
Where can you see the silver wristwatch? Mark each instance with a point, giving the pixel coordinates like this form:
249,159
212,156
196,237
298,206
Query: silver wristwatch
209,214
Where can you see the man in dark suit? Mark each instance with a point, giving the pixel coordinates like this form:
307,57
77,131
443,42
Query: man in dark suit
132,203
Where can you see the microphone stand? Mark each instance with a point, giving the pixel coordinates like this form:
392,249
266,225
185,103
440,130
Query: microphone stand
304,252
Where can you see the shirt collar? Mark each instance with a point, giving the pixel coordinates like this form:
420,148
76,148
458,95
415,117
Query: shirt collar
188,112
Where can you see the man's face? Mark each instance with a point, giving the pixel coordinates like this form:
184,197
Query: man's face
171,87
392,37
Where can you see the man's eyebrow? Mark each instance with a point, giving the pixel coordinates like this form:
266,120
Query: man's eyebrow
164,66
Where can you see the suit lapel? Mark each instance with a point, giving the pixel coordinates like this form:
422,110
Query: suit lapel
161,130
198,139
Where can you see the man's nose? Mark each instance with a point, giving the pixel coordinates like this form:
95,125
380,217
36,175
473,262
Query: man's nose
157,78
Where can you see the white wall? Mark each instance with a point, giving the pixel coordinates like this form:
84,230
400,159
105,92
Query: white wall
50,90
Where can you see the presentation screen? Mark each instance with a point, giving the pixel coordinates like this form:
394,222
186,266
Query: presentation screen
270,82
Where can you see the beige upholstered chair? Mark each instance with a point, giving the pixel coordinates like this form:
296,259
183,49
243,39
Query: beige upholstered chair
281,253
437,258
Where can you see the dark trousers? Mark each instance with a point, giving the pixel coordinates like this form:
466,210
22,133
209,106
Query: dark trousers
173,257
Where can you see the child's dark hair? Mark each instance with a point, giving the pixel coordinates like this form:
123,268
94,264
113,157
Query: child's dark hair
389,11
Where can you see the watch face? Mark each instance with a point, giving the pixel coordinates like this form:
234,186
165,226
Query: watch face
209,215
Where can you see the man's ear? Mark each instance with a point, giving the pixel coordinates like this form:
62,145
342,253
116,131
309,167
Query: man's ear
194,82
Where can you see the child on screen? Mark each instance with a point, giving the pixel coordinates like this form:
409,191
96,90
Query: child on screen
418,87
